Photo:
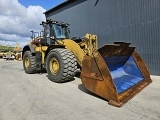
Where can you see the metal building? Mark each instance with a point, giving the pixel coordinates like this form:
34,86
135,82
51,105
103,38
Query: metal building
135,21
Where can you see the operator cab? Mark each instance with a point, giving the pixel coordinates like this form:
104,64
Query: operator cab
54,30
59,31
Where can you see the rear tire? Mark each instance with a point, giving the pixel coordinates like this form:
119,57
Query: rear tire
61,65
29,63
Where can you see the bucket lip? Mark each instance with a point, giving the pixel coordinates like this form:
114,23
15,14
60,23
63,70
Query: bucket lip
130,93
114,45
121,42
116,49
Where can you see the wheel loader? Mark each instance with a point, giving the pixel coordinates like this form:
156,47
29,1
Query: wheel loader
115,72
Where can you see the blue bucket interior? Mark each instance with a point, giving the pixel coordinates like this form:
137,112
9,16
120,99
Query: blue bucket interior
124,71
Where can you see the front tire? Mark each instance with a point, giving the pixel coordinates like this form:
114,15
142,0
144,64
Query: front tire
61,65
29,62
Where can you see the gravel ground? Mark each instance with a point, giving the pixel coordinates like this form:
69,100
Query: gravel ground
34,97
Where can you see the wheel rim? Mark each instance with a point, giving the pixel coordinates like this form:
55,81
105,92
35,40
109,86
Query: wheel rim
54,65
27,62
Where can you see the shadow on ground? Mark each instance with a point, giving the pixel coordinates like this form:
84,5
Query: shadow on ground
83,89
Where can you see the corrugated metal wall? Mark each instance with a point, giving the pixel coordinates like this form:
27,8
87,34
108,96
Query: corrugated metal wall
135,21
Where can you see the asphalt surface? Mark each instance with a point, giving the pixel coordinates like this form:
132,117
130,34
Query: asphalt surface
34,97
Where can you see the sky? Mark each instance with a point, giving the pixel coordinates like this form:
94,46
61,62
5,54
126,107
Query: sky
19,17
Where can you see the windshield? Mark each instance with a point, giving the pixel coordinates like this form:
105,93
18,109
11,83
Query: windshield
60,31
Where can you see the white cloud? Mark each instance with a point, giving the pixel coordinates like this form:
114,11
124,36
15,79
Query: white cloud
16,21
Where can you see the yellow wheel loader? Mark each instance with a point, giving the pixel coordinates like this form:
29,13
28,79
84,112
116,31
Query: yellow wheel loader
115,72
1,53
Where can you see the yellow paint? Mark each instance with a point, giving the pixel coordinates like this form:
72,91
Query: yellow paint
75,48
54,65
86,47
43,50
27,62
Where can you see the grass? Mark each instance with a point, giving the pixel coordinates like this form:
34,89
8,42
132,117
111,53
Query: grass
6,48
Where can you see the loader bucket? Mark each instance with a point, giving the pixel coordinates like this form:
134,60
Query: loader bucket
115,72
